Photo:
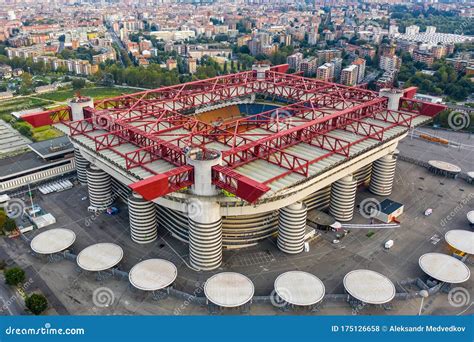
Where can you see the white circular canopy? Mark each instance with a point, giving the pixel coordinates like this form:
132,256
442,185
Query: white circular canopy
441,165
444,268
470,216
100,257
369,286
299,288
462,240
53,241
153,274
229,289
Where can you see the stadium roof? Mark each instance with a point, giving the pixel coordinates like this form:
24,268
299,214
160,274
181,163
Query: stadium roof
322,124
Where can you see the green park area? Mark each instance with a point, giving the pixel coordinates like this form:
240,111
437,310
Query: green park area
48,101
97,93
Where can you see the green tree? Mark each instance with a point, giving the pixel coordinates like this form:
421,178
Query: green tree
36,303
14,276
26,83
78,83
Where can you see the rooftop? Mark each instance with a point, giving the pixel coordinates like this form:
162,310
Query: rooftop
51,148
322,125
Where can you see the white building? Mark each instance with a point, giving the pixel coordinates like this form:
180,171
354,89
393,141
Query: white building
430,29
413,29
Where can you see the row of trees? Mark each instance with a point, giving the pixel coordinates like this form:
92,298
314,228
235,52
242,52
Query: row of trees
151,77
36,303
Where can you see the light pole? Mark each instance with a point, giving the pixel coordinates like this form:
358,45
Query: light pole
424,294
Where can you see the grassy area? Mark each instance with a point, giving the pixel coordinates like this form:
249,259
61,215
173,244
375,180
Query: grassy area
46,100
14,105
45,133
36,134
95,93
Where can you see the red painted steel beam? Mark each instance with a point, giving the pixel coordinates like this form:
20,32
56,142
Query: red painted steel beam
164,183
48,117
240,185
420,107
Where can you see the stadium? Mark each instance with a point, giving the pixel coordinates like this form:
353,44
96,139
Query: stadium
227,162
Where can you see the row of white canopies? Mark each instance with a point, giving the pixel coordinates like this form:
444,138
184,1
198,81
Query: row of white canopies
230,289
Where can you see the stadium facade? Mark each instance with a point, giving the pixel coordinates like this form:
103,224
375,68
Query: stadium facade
228,161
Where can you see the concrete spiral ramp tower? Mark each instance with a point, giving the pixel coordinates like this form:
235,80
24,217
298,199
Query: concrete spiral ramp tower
204,217
343,193
383,174
99,185
292,228
81,166
143,221
205,235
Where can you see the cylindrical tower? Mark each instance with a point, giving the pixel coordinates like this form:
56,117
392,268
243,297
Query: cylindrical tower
77,106
343,193
393,95
100,188
383,173
292,228
204,216
261,69
203,161
205,234
81,166
143,223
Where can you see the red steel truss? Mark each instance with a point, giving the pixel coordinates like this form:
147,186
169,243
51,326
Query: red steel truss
161,124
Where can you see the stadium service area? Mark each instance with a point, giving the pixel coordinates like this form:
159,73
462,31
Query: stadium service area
215,179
